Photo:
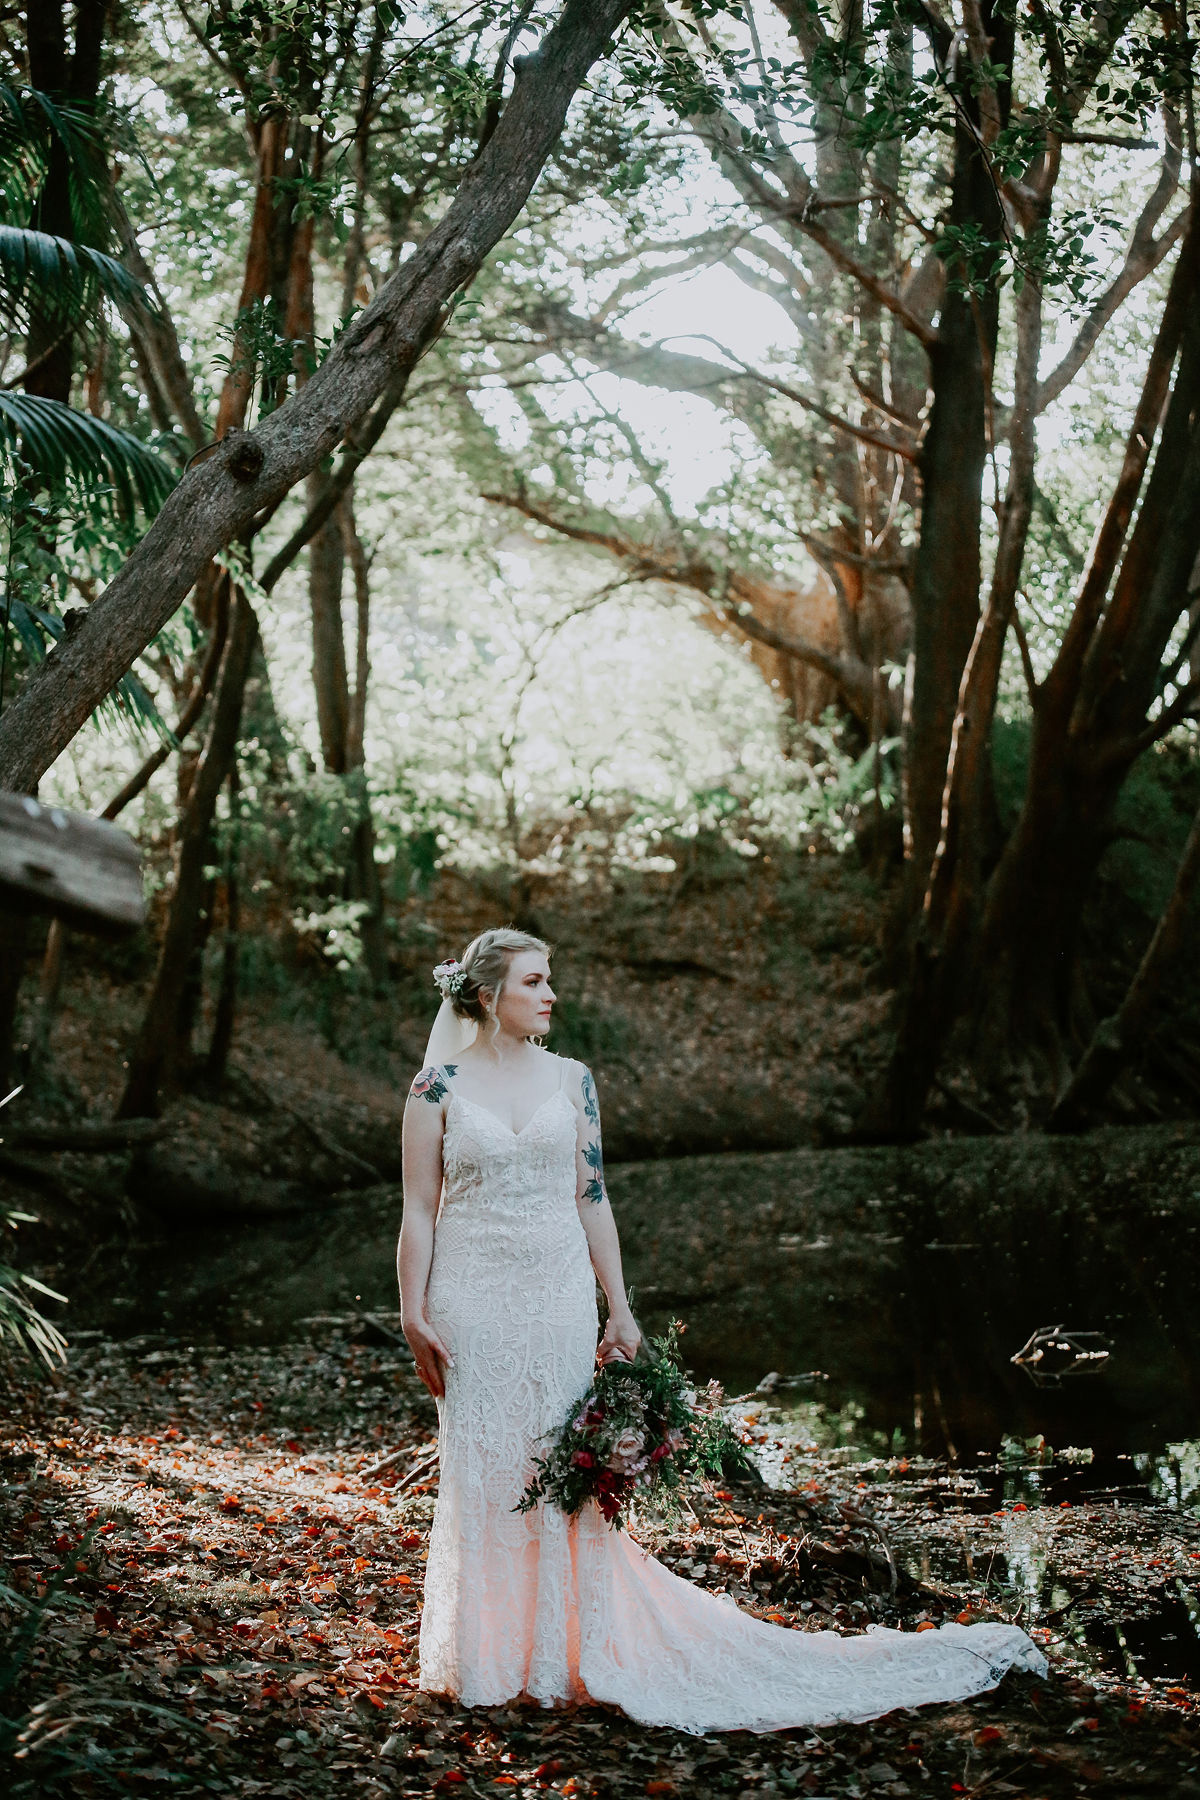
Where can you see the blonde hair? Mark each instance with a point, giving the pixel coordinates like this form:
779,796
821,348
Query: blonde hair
485,963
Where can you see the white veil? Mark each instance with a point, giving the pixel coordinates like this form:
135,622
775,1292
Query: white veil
449,1037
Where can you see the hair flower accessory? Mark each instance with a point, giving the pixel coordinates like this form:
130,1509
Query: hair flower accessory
449,978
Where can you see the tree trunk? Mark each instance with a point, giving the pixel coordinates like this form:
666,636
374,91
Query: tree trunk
154,1054
180,1058
330,684
946,569
14,938
46,1006
1116,1039
155,340
1015,974
220,498
1082,751
222,1036
73,78
364,870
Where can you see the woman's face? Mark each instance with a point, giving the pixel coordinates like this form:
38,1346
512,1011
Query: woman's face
523,1008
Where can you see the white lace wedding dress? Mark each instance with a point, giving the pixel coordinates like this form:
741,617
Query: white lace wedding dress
535,1604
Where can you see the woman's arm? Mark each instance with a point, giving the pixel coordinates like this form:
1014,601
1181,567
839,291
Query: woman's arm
621,1335
422,1164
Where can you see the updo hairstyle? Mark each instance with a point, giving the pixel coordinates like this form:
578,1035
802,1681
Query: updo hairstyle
485,964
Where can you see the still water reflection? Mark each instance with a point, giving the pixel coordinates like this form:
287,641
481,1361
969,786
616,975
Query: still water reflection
887,1315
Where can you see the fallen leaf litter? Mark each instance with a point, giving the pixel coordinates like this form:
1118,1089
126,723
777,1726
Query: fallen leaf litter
234,1599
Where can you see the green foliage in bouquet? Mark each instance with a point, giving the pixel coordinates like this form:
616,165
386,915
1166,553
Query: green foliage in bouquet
640,1432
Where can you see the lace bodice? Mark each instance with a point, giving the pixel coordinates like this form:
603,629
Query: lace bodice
568,1609
488,1165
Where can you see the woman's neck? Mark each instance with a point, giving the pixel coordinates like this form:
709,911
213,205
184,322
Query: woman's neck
505,1047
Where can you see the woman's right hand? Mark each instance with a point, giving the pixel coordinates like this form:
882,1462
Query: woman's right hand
431,1355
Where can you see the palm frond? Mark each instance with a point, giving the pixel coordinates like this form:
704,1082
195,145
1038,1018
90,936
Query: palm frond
69,448
66,279
30,121
22,1326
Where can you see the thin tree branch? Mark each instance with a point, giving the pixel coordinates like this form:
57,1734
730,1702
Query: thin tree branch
1128,749
357,447
852,678
865,436
1031,683
183,725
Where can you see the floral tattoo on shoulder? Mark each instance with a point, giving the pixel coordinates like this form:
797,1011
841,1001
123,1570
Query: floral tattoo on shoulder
429,1084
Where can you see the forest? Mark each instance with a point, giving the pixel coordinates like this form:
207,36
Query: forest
714,484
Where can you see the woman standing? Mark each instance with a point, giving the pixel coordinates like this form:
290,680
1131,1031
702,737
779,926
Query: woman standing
507,1226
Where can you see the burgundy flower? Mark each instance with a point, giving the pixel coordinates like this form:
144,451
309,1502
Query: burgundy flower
583,1459
610,1490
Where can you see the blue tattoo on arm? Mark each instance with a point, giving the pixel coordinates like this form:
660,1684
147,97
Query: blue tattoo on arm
595,1190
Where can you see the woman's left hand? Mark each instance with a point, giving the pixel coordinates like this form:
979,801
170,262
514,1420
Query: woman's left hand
621,1339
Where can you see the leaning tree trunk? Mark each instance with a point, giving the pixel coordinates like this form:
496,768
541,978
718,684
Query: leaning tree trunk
220,498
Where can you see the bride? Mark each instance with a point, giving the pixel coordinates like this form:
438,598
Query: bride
506,1229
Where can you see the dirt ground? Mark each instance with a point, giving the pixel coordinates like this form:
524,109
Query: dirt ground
213,1563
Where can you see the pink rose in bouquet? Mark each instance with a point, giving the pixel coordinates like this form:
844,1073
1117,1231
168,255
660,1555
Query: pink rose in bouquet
626,1451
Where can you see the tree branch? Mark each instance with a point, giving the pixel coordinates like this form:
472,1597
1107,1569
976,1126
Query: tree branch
358,446
853,679
1143,255
865,436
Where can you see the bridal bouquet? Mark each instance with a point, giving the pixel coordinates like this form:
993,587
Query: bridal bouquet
640,1431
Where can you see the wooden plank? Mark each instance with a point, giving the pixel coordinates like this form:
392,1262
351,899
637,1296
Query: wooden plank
84,871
